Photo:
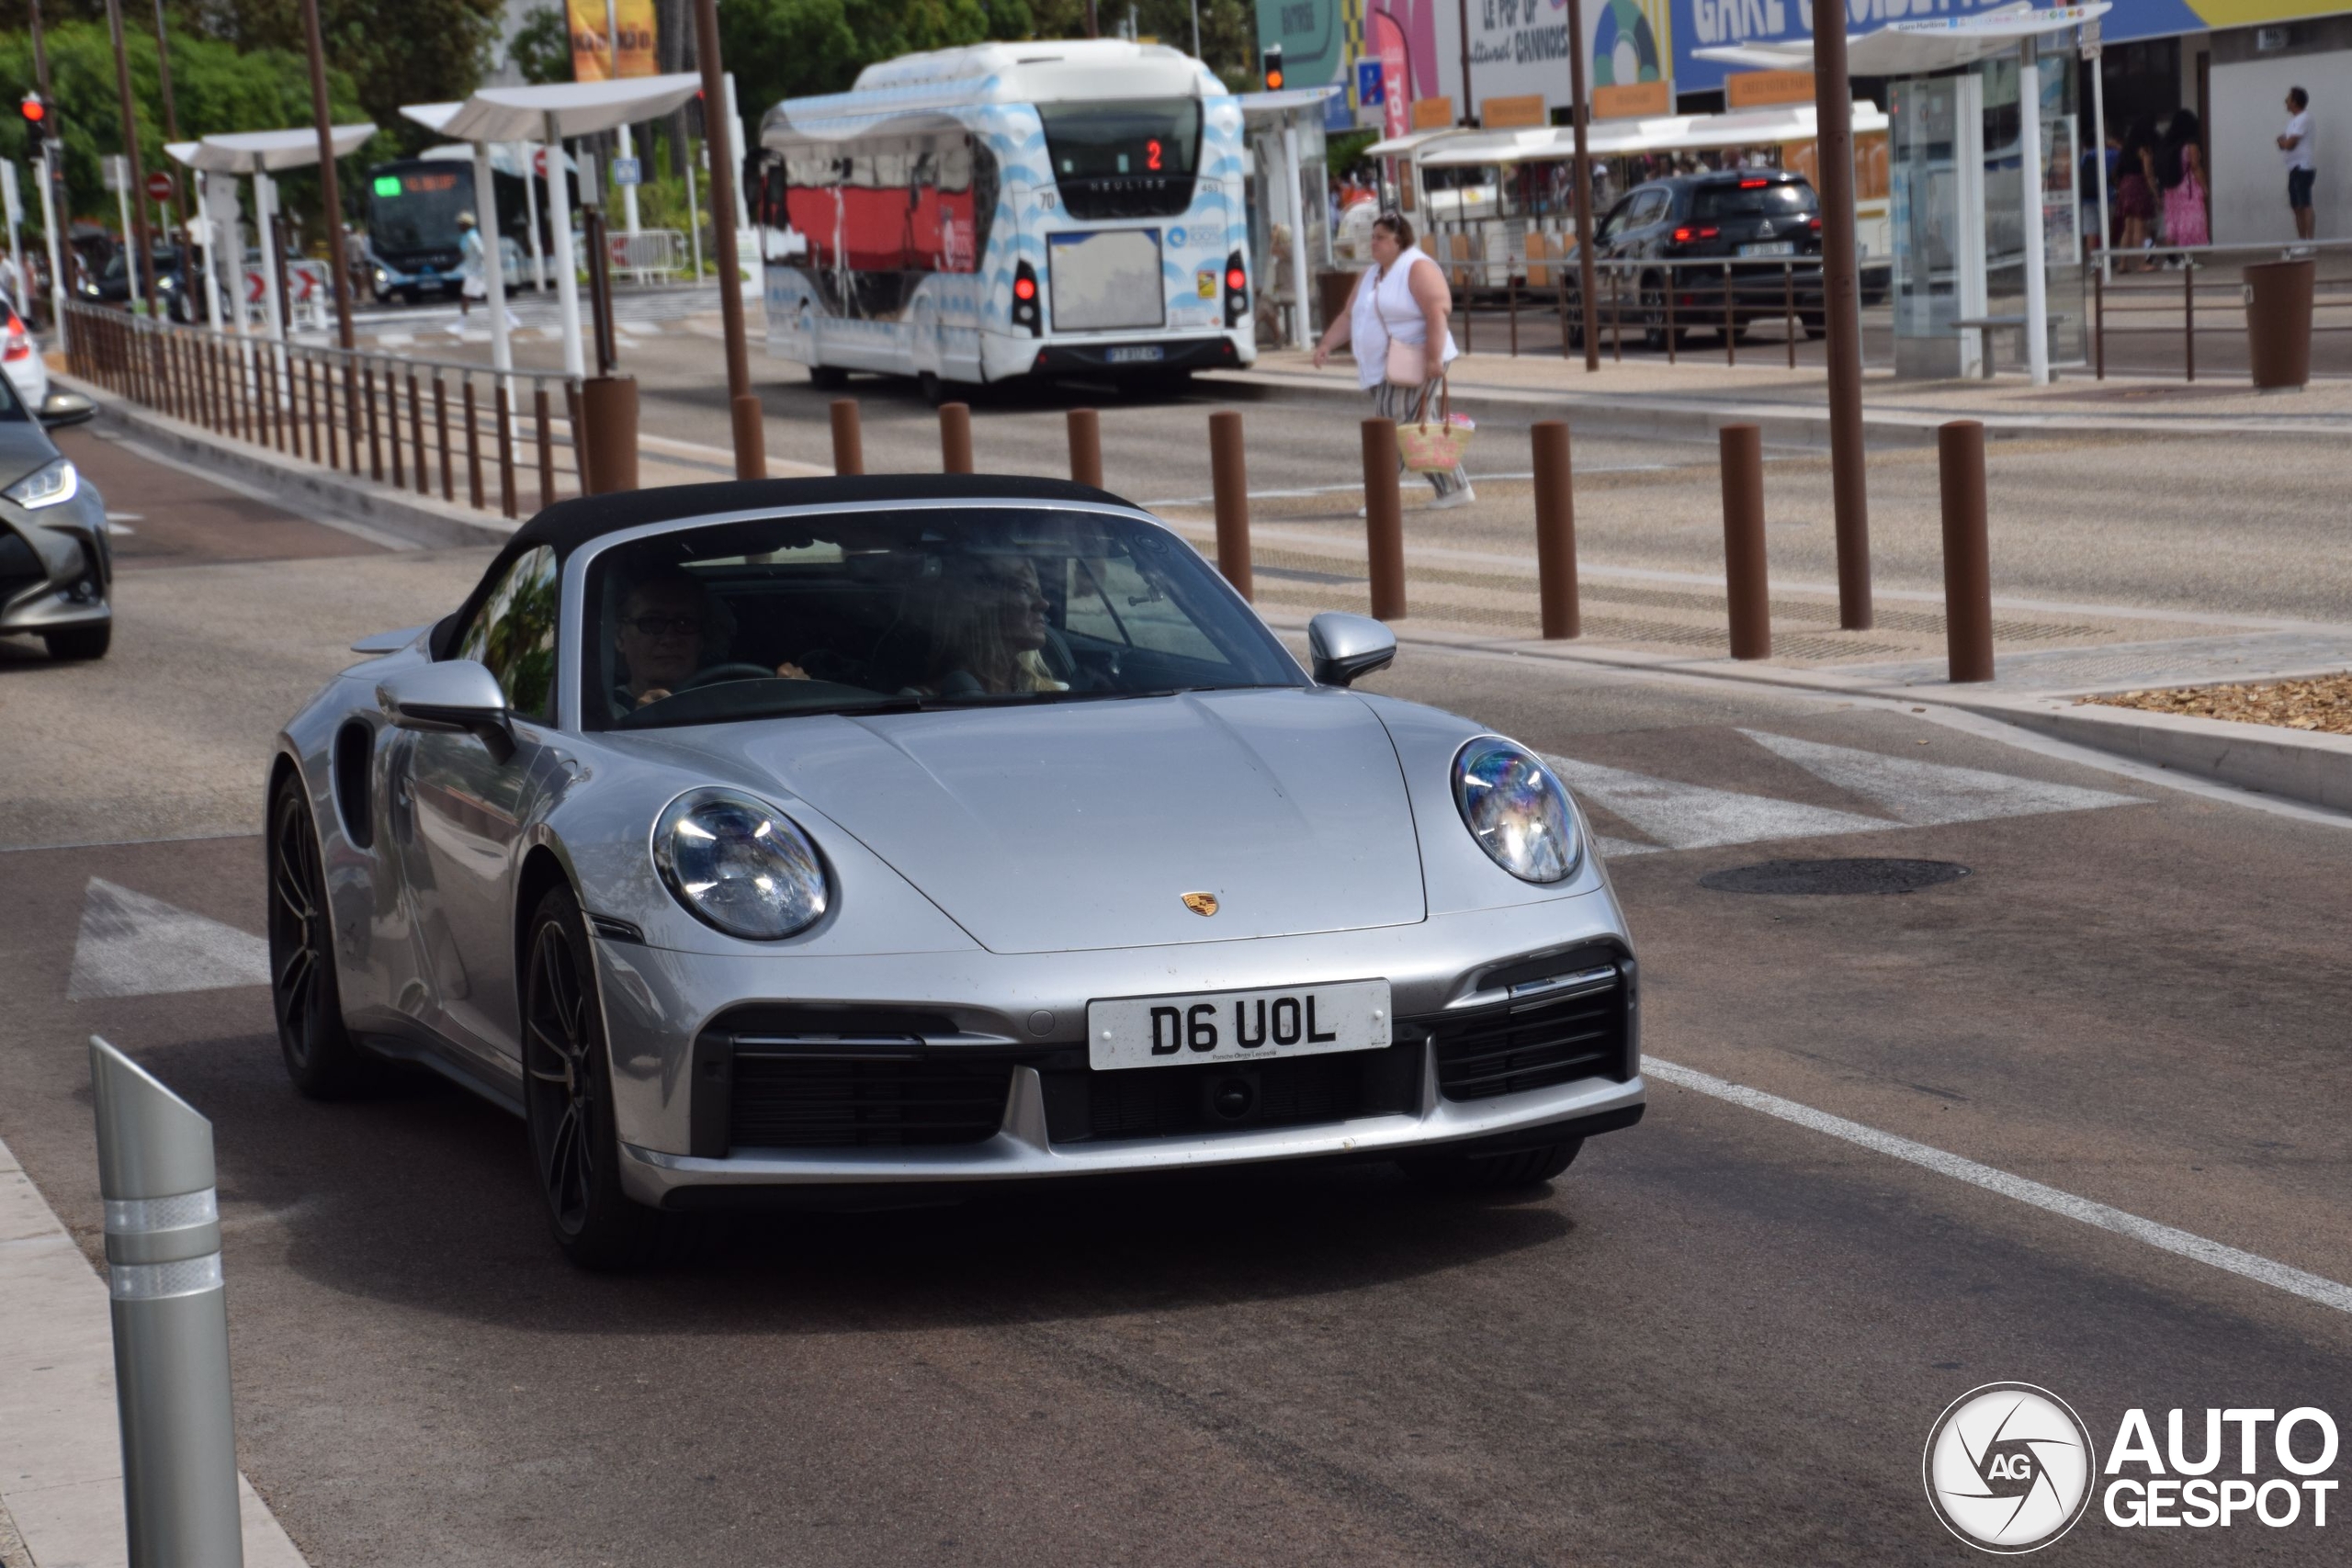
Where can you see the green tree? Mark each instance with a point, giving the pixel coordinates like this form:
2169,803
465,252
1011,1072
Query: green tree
541,46
216,87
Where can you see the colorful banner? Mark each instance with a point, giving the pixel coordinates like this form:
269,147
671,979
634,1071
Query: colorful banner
592,50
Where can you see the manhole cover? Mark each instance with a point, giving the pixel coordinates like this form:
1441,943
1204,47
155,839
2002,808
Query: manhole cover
1834,877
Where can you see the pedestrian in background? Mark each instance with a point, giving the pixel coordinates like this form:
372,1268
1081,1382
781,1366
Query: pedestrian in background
2135,193
1396,324
2295,141
475,283
2181,171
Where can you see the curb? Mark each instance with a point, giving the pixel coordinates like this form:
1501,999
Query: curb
298,484
2310,766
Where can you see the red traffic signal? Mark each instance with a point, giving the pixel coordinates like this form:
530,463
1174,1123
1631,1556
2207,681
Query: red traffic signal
34,110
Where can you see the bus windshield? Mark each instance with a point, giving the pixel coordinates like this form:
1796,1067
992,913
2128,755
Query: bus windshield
1123,160
416,209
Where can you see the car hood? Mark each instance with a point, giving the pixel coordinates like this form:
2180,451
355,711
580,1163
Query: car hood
1083,825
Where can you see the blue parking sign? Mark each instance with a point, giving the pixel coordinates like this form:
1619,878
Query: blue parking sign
1369,88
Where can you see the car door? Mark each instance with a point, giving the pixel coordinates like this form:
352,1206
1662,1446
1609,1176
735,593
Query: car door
467,807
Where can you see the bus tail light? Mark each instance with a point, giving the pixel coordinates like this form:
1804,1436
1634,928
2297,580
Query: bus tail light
1028,312
1236,291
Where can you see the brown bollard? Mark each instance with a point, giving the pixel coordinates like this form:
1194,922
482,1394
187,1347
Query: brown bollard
1968,568
608,436
1555,530
849,439
1745,584
1086,447
955,438
1229,479
1383,520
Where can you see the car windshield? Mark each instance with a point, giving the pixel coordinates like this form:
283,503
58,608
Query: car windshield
874,612
1748,199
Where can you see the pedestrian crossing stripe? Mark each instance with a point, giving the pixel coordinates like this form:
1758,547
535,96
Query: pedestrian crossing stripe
1678,814
134,945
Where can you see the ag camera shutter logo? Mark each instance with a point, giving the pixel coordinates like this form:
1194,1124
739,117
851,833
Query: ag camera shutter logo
2009,1468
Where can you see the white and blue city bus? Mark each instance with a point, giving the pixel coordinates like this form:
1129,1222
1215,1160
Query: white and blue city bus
1011,210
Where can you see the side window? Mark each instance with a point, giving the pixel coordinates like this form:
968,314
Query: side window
1650,209
514,633
1620,218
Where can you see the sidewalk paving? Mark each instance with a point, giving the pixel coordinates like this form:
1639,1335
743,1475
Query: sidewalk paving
1696,386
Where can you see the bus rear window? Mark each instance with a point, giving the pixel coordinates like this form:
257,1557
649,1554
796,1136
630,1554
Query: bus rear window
1123,160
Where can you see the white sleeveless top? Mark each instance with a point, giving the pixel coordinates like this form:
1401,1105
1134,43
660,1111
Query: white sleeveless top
1383,308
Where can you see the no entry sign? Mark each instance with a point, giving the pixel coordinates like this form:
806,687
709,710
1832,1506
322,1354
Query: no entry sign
159,185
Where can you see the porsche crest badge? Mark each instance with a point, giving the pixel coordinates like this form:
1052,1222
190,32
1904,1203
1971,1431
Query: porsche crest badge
1201,903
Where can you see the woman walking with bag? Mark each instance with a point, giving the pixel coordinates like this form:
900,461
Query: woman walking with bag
1398,311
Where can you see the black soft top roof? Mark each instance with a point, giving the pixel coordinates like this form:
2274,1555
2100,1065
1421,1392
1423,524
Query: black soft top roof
568,525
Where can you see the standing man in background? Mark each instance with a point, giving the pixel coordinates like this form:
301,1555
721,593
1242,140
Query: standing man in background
2295,141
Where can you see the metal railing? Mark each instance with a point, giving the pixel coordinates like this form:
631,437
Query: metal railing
1658,300
2173,280
650,254
430,425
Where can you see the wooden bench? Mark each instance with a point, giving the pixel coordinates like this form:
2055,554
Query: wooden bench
1990,325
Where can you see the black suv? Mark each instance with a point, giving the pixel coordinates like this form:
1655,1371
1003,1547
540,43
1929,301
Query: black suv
1761,227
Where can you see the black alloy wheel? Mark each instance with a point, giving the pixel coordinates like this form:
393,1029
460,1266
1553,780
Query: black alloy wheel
1651,311
568,1102
322,1058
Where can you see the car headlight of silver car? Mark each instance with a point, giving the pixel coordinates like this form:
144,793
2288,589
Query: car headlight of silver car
52,484
1519,812
740,865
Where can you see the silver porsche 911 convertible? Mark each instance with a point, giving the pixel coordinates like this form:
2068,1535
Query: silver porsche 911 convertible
895,834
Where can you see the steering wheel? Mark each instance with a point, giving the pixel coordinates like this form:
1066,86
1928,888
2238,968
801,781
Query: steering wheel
719,672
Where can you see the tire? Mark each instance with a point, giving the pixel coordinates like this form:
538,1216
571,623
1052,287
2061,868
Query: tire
1470,1174
828,377
568,1102
1815,326
934,390
321,1058
1652,310
77,643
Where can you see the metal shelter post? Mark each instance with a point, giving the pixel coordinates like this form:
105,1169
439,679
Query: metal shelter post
2037,281
1580,114
2092,50
330,196
1299,336
493,270
1968,244
567,287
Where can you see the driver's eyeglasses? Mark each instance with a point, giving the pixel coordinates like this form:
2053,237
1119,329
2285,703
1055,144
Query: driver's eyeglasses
662,626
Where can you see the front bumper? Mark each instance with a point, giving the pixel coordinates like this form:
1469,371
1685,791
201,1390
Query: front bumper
1459,985
56,570
1067,358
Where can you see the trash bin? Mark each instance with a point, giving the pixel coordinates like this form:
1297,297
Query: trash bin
1332,289
2278,323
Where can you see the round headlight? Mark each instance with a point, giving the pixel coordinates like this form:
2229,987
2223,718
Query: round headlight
1517,810
739,865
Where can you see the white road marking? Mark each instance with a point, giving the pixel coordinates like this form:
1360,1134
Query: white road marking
1694,817
1923,794
133,945
255,493
2262,1271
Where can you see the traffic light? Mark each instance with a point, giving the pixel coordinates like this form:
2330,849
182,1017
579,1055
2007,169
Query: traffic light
37,125
1275,69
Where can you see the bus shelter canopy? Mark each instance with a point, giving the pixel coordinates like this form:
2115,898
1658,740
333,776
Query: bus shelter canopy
1412,141
265,152
577,109
1665,133
1918,48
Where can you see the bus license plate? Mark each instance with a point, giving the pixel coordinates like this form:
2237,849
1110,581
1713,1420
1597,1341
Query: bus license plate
1236,1026
1149,355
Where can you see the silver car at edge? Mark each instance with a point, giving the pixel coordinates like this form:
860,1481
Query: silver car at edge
847,840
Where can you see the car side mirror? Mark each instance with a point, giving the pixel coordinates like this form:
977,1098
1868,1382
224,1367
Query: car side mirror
457,696
1345,648
67,408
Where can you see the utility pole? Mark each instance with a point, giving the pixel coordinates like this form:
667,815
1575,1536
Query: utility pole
722,127
1842,313
145,259
330,193
172,119
1580,182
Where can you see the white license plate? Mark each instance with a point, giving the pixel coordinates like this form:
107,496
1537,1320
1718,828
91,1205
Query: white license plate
1236,1026
1771,248
1151,356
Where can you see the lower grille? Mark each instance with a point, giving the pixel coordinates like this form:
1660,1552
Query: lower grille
20,568
781,1102
1156,1103
1537,1045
